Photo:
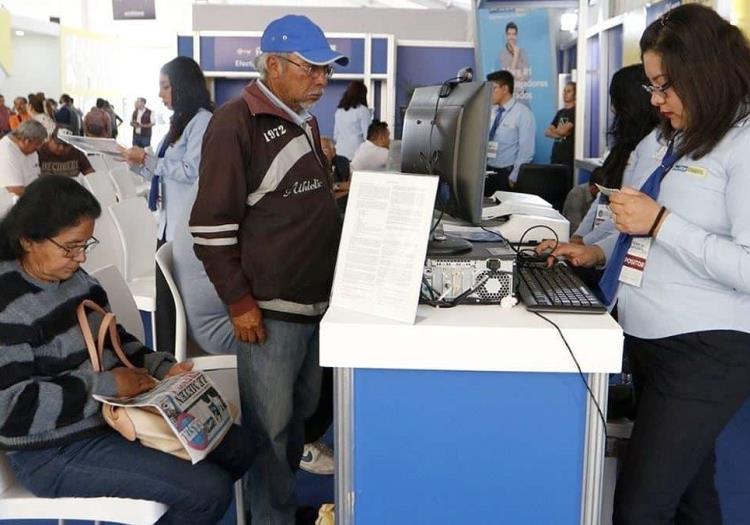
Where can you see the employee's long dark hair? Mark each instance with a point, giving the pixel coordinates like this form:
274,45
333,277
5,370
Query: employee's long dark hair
48,206
707,60
354,96
189,93
635,118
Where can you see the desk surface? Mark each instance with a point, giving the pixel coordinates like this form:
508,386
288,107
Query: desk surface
472,338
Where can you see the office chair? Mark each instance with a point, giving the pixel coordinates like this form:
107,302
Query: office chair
552,182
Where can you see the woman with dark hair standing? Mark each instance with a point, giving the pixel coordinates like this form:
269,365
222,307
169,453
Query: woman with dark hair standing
351,120
58,441
680,269
634,119
174,169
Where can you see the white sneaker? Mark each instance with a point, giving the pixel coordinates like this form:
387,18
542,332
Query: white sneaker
317,458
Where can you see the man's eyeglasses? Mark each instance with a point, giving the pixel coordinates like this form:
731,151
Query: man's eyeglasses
310,70
659,90
72,252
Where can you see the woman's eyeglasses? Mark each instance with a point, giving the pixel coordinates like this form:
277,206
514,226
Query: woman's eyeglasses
659,90
72,252
310,70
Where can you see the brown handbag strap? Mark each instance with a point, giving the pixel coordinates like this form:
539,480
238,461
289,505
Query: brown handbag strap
109,324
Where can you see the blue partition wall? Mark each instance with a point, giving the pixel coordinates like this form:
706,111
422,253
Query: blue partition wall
425,66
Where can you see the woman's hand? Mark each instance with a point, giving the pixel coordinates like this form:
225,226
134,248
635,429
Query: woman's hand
180,368
634,212
576,254
132,381
134,155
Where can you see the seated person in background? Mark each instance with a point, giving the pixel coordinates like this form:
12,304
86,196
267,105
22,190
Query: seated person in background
48,418
57,157
339,167
97,122
372,154
19,163
22,113
579,199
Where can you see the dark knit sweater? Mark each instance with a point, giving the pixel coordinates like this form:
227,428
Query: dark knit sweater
46,379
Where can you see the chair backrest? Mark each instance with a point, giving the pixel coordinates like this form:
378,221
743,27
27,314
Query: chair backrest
121,300
101,186
123,183
109,250
6,201
138,229
165,260
552,182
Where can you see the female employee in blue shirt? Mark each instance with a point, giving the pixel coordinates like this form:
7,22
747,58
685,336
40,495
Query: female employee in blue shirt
684,290
174,168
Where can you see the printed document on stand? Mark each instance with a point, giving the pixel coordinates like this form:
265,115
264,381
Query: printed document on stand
383,244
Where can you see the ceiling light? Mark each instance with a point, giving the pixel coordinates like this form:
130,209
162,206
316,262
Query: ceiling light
19,32
568,21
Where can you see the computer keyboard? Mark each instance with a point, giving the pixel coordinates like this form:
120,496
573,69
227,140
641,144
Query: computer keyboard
556,289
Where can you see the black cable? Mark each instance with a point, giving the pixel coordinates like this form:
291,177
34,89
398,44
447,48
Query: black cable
522,253
580,373
459,299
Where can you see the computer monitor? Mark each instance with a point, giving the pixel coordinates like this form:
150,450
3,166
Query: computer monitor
455,146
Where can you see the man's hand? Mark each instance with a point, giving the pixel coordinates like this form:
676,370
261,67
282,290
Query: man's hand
634,212
249,328
132,381
180,368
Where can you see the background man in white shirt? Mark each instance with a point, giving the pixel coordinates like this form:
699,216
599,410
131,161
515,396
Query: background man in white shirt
372,154
19,163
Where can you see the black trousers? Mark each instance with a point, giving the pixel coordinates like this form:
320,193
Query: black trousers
688,387
497,180
318,423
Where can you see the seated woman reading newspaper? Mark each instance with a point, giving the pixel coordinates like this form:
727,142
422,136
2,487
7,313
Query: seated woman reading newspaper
57,442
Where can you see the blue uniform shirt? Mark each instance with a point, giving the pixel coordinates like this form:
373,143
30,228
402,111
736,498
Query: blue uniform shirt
514,137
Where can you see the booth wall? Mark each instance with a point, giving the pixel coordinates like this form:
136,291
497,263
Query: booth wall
36,67
413,24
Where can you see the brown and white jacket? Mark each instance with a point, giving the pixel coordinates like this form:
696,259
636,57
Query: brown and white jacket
265,223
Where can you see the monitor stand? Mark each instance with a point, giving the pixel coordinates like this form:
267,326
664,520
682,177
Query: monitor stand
442,244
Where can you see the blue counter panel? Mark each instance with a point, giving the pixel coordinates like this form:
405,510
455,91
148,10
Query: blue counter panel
478,448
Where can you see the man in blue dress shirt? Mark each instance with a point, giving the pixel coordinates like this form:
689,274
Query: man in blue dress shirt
511,136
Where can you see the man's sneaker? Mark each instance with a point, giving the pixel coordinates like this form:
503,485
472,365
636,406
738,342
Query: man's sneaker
317,458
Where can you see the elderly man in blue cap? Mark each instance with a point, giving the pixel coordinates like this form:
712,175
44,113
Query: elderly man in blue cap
266,227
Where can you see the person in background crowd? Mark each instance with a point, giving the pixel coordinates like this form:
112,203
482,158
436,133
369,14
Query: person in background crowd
142,124
38,113
339,164
562,129
372,154
114,118
351,120
511,136
683,307
21,114
50,107
579,199
57,157
264,204
19,163
5,115
97,122
60,445
174,169
67,117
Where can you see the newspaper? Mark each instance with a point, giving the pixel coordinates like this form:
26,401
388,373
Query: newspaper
90,145
191,405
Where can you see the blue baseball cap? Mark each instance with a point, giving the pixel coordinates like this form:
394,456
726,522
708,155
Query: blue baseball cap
298,34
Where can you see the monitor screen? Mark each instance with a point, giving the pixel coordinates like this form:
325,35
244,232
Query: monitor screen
447,136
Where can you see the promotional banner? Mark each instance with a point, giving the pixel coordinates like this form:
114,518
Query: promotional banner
518,40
